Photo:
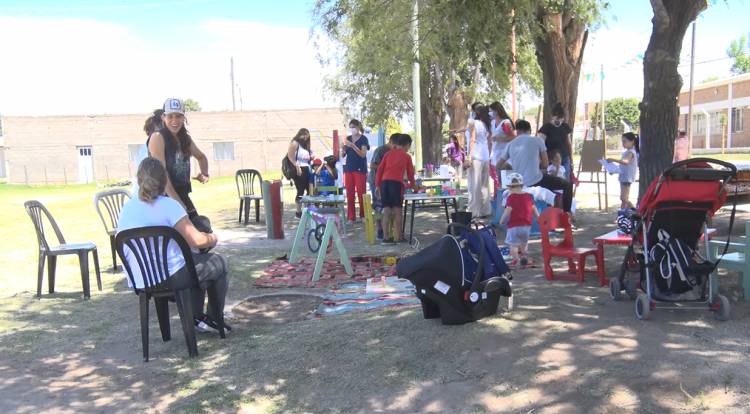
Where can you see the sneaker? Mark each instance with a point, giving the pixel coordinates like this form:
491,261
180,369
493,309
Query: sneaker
202,326
514,262
401,240
215,325
388,241
524,261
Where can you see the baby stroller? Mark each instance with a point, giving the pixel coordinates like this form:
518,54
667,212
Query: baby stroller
662,259
460,277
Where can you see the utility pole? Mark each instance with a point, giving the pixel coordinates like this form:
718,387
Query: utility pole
415,86
690,103
239,89
231,78
513,69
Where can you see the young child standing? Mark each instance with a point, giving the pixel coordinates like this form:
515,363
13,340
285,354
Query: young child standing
519,212
628,167
389,182
377,158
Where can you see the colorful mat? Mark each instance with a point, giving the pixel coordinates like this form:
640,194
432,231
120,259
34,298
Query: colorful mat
359,297
282,274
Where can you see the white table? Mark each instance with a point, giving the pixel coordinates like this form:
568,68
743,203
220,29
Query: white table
422,200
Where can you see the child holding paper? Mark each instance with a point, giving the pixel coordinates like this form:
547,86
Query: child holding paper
628,167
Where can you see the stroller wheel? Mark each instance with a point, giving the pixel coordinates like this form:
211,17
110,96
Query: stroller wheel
614,289
642,306
631,289
721,307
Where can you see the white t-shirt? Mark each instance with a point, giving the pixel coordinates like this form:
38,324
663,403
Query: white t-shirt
499,147
163,211
480,152
303,156
560,172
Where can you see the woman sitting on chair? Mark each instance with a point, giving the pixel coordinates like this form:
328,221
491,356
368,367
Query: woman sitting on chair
152,208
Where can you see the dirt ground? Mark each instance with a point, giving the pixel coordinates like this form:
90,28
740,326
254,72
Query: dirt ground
566,348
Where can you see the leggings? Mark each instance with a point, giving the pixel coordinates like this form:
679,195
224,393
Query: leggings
211,269
302,183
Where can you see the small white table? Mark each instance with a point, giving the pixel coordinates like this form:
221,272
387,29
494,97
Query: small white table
422,200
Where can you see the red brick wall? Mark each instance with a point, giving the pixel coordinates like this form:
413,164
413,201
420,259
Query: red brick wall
44,148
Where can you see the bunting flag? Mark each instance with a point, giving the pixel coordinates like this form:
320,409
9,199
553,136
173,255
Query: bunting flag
599,75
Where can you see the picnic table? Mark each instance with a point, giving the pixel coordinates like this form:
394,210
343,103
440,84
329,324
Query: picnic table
615,237
422,200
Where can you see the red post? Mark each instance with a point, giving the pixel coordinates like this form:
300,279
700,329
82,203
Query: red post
336,143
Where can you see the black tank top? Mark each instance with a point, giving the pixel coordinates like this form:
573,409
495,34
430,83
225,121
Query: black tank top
178,165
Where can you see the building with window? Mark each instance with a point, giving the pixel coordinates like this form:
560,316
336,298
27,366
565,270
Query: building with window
720,109
87,148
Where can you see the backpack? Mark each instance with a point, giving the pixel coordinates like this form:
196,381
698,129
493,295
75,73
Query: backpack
678,268
288,169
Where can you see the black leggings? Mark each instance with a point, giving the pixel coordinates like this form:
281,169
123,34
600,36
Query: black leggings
302,183
553,183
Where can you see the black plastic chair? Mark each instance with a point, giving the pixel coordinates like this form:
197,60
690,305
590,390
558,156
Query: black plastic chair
144,243
37,212
112,201
245,180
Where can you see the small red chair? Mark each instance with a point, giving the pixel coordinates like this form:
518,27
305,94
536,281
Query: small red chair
552,219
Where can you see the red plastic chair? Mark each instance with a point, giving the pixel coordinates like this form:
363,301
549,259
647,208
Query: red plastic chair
552,219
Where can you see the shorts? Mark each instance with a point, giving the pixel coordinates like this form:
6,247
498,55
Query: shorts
391,194
517,236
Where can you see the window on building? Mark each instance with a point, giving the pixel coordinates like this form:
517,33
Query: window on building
737,121
699,124
223,151
715,123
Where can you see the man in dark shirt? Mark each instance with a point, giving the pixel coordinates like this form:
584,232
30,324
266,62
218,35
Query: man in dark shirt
377,157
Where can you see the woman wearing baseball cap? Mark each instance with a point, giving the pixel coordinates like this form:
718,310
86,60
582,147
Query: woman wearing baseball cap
173,146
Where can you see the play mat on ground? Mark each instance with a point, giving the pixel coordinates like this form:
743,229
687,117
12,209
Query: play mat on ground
376,293
282,274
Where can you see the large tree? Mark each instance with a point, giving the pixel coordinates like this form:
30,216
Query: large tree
460,53
560,30
662,84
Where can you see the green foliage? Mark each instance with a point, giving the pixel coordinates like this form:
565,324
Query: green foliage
373,50
710,79
192,105
618,109
738,50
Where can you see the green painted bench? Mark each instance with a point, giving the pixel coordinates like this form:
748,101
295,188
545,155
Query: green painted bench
736,257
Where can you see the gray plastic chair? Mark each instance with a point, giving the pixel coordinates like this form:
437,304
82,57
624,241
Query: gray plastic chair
37,212
245,180
112,201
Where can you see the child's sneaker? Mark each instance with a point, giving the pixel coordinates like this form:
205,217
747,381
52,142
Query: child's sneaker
514,262
202,325
215,325
524,261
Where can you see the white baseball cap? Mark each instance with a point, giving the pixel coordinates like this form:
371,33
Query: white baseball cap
515,179
174,106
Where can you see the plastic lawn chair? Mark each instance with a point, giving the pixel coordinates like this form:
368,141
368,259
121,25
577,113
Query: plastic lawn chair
112,202
245,180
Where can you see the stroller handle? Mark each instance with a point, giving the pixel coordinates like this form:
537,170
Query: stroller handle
475,284
731,167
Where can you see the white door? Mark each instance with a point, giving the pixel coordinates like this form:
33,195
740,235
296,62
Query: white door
85,165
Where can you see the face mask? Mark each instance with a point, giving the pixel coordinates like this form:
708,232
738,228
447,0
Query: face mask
557,122
493,114
353,131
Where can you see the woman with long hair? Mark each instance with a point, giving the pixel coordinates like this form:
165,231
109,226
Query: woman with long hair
478,161
152,208
300,154
502,132
355,150
173,146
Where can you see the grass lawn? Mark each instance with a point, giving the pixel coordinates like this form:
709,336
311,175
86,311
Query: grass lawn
567,348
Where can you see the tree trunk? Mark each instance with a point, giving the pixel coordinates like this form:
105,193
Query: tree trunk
661,85
458,111
433,113
559,51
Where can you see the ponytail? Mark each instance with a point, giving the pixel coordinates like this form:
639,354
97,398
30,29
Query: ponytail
635,139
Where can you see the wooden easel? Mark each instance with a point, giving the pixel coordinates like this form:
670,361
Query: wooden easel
592,151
